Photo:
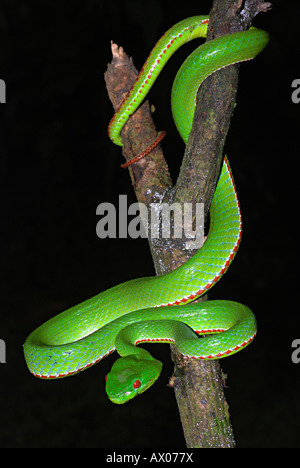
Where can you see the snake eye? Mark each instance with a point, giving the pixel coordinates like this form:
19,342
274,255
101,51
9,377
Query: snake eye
137,384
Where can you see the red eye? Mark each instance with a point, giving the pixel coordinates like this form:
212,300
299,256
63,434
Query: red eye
137,384
106,377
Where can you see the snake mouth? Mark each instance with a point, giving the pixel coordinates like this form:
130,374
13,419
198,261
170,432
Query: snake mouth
121,397
118,400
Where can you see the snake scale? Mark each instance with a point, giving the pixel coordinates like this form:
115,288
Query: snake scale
139,310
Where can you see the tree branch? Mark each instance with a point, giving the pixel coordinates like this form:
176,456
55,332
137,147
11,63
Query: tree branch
201,167
198,385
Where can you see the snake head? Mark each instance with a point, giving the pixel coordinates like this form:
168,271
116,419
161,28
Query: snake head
130,376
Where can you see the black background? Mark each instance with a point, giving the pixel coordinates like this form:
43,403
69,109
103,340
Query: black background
57,164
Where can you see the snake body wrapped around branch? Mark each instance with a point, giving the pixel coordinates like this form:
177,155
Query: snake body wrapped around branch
160,308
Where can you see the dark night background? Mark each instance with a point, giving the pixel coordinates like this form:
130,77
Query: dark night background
57,165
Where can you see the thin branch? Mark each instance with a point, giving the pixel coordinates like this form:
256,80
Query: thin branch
138,134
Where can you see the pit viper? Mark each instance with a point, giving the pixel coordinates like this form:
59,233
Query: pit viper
161,308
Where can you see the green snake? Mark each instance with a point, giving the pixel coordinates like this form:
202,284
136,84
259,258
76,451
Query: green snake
139,310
